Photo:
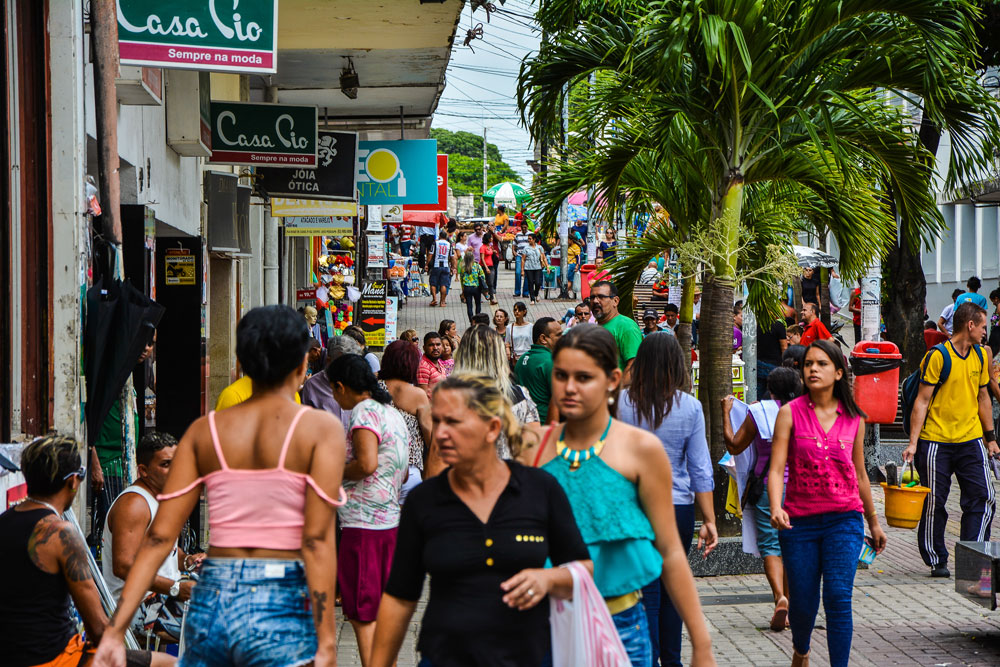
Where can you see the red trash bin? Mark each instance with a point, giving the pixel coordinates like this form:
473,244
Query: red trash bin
586,271
877,392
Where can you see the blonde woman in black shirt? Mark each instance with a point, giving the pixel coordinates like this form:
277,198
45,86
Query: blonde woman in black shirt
483,531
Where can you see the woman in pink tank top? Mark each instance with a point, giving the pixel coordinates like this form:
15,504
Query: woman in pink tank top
271,470
820,436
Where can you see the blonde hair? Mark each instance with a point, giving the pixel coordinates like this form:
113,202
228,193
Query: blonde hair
482,352
483,397
467,261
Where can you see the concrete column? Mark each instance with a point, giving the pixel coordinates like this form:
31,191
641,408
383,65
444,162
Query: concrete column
67,163
270,265
222,325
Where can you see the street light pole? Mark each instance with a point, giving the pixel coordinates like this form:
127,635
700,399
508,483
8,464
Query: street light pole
564,209
485,167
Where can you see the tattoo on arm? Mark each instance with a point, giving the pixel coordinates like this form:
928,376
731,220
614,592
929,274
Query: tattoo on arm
76,565
44,530
319,603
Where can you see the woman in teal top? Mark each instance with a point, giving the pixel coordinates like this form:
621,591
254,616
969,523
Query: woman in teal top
618,481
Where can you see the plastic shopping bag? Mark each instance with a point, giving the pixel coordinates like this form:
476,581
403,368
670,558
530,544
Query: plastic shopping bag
582,630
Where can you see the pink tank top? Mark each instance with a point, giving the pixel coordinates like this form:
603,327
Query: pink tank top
821,474
262,509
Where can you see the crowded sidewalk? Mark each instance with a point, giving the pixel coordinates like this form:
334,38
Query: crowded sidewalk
901,616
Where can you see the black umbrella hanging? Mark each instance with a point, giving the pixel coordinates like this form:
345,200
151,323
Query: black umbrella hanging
120,323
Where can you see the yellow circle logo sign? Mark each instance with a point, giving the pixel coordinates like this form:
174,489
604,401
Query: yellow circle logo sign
382,165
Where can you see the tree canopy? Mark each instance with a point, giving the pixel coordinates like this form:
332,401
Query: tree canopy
465,162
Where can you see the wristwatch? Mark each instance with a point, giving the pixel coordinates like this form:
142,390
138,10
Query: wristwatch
175,589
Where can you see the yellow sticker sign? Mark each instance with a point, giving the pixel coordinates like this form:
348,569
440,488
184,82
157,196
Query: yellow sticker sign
284,208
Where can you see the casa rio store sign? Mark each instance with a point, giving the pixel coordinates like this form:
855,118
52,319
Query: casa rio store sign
214,35
397,172
263,134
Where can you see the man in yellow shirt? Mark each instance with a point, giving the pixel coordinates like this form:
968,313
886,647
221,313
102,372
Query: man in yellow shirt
237,392
951,431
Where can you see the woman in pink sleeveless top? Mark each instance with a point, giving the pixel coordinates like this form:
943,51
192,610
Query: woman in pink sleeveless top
820,436
271,470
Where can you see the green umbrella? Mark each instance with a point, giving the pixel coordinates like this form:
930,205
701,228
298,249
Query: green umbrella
507,193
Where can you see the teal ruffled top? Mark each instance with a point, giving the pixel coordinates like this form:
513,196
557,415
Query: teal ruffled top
612,523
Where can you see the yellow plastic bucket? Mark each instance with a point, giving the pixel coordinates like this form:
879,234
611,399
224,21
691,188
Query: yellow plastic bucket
904,505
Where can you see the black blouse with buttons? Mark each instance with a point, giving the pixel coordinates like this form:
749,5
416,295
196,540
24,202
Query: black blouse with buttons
466,621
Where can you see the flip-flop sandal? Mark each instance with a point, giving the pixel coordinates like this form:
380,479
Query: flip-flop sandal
432,303
779,621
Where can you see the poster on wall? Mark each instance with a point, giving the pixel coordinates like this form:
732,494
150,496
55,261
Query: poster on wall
240,36
442,190
179,268
376,251
370,314
391,318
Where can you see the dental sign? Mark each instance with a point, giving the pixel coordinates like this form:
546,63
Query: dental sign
397,172
277,135
214,35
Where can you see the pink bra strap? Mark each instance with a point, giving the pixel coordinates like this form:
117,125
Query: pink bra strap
178,494
215,440
342,497
288,436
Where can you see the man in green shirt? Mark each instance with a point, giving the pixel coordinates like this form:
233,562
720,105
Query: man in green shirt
534,369
604,305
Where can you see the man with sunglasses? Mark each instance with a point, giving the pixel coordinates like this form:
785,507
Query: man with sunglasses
45,564
604,305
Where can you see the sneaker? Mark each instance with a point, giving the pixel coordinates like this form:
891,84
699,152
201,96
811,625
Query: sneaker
940,572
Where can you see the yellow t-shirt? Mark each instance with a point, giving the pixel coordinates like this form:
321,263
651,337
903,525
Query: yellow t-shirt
953,415
573,253
500,220
238,392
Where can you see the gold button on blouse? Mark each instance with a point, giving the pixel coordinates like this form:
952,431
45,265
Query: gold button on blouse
489,562
518,538
489,542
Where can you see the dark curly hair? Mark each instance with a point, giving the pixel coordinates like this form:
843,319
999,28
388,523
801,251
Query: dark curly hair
48,462
352,371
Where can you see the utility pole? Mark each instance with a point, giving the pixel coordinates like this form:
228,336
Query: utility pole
564,210
485,168
104,41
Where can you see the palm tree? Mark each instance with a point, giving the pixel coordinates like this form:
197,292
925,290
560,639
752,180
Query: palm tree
779,91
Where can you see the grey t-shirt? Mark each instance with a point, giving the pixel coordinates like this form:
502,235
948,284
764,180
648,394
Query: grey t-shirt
532,257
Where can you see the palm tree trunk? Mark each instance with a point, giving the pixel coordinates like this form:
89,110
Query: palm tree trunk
716,379
686,318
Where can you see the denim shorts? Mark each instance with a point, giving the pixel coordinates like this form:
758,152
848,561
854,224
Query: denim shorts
250,612
767,535
633,629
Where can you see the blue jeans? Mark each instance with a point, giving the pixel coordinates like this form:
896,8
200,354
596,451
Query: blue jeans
633,629
570,275
252,612
824,546
665,623
517,275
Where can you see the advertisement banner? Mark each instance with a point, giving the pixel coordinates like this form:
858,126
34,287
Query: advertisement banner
335,177
442,190
391,318
397,172
237,36
370,313
285,208
252,134
376,251
318,225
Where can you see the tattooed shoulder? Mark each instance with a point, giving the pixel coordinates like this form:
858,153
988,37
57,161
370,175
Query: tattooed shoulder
46,528
75,562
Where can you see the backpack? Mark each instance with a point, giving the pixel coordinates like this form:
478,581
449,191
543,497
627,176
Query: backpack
911,385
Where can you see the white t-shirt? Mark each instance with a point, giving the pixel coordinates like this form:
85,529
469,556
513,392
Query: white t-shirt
948,315
442,254
520,337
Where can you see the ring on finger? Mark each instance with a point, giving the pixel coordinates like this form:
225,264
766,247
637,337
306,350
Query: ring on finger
531,593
